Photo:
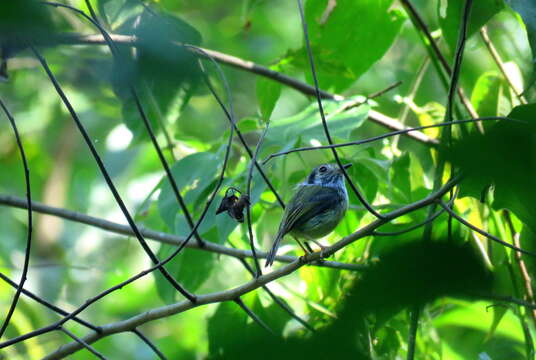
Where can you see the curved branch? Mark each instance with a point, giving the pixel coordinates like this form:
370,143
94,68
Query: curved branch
234,293
158,235
249,66
30,226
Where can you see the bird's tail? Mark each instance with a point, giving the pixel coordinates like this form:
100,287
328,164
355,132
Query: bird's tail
271,256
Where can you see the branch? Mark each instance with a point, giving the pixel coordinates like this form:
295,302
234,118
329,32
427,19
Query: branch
234,293
245,65
323,117
248,194
482,232
30,222
421,25
83,343
394,133
150,344
253,316
413,327
157,235
497,58
107,177
49,305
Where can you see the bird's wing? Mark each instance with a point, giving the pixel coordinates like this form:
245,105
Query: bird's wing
319,199
297,212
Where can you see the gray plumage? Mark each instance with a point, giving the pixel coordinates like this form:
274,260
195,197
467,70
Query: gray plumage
316,208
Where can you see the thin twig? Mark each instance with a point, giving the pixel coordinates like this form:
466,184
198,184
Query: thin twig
159,236
277,300
416,226
384,136
30,221
49,305
150,344
253,316
500,64
527,281
248,194
413,327
482,232
83,343
239,133
435,48
323,117
232,294
107,177
447,132
411,96
245,65
117,57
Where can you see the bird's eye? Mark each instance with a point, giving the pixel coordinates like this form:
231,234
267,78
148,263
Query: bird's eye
323,169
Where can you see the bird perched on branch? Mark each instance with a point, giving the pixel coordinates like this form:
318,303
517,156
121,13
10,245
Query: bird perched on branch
315,210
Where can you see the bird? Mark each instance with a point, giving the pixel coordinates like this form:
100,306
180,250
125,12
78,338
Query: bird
316,208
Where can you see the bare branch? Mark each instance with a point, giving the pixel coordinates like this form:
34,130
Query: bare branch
253,316
150,344
30,223
500,64
234,293
245,65
418,20
83,343
384,136
482,232
323,117
49,305
107,177
156,235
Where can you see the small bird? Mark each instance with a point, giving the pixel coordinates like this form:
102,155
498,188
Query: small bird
315,210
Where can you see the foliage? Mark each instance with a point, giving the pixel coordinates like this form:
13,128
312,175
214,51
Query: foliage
467,288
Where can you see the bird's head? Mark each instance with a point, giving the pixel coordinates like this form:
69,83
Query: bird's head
327,175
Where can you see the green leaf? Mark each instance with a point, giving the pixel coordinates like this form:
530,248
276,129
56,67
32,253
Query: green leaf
268,92
527,10
192,174
160,69
191,268
487,93
307,125
341,39
449,19
221,340
400,178
504,156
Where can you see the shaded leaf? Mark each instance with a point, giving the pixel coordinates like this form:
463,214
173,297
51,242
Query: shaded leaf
268,92
505,157
341,41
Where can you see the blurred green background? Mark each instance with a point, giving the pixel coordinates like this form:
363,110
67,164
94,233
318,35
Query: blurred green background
360,47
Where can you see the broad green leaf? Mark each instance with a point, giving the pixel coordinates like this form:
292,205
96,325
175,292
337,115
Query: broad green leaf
227,316
400,178
449,19
191,268
505,157
268,92
527,10
464,328
307,125
341,38
192,175
160,69
487,93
